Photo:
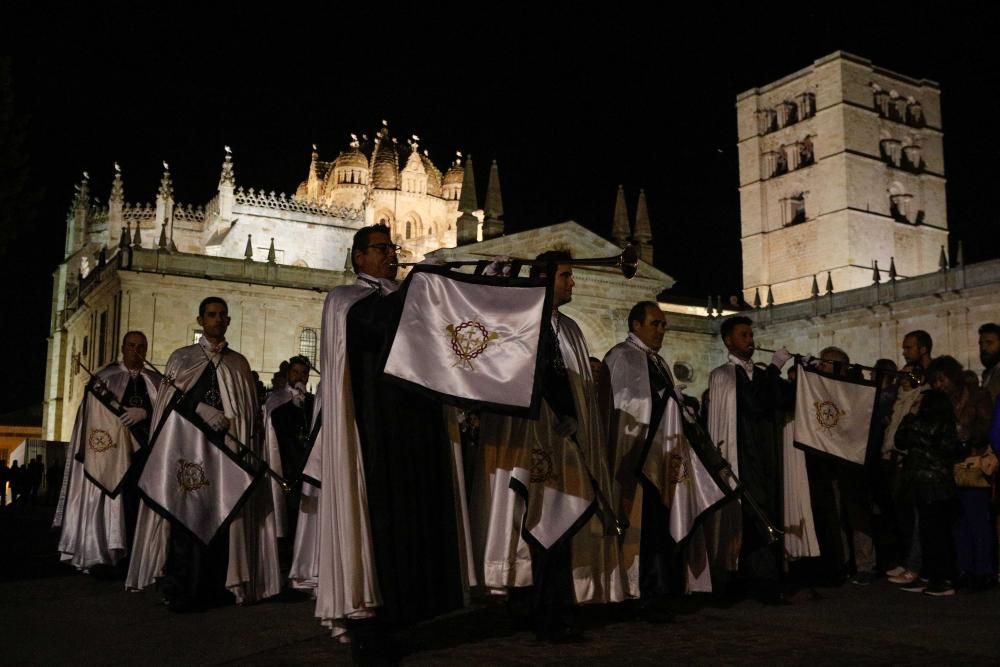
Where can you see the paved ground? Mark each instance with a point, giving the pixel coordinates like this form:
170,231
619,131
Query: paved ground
51,615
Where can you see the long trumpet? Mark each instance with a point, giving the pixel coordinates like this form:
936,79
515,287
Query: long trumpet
916,375
627,262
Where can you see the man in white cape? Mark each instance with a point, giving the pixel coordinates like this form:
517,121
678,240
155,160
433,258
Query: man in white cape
382,547
97,521
242,558
544,531
288,415
660,485
744,416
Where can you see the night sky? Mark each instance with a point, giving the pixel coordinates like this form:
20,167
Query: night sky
568,113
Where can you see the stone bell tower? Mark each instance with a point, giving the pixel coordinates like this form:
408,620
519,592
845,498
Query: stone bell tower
841,166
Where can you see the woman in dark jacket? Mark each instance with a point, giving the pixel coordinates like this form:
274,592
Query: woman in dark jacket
930,440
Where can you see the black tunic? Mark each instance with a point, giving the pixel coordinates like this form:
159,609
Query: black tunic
760,425
408,475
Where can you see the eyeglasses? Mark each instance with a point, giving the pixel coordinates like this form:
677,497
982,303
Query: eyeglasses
385,247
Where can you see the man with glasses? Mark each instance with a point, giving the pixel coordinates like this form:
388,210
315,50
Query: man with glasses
388,553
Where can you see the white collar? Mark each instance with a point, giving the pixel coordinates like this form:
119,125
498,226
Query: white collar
635,340
383,285
747,364
210,349
126,369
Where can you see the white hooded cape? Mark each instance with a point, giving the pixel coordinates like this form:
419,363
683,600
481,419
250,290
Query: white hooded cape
685,498
253,571
93,524
725,531
519,454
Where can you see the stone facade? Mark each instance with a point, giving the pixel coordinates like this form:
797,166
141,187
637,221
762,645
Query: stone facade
841,165
601,297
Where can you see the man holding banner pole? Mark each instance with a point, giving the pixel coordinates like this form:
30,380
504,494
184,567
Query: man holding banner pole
546,532
207,527
828,400
98,504
661,486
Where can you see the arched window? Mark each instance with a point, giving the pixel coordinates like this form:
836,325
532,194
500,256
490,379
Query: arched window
307,344
409,229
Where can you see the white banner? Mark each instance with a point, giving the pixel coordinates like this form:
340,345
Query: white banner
107,446
833,415
192,479
469,339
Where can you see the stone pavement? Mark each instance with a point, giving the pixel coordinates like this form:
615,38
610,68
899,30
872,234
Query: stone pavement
51,615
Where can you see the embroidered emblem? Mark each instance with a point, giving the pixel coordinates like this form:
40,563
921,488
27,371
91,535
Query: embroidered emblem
100,440
135,401
468,341
190,475
678,468
828,414
542,467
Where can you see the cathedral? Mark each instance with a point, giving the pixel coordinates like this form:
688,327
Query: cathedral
841,186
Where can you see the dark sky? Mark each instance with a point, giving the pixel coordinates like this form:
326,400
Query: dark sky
567,112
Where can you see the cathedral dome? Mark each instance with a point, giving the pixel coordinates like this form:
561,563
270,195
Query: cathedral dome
433,177
385,165
454,174
352,157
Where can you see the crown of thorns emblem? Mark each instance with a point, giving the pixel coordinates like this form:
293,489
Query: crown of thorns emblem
190,475
100,440
469,340
828,414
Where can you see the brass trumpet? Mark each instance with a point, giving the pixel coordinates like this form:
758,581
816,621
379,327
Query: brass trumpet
627,262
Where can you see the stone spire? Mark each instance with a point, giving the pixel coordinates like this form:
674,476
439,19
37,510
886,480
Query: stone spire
620,229
165,198
468,224
312,181
228,176
272,256
248,252
137,238
942,260
126,238
76,221
116,227
643,232
227,186
493,224
815,287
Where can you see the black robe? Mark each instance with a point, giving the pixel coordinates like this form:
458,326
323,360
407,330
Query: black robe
760,423
408,475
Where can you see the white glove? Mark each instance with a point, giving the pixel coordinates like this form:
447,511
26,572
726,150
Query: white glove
500,266
299,394
216,419
679,392
780,358
132,416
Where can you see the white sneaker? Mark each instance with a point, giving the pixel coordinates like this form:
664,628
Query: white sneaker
896,571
